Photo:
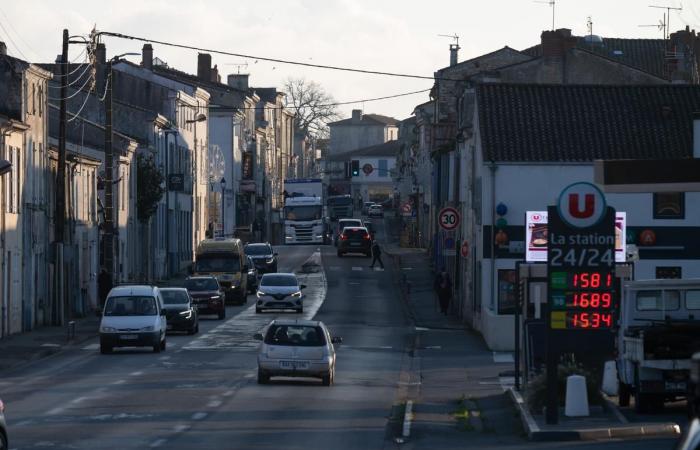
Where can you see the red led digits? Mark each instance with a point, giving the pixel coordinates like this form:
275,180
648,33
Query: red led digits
590,320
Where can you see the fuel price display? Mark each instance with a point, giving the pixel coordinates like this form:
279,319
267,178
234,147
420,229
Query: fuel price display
583,299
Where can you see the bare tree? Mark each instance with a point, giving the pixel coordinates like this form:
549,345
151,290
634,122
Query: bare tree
314,106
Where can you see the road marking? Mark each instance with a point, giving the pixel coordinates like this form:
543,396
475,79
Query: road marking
164,358
180,428
249,375
230,393
48,344
407,418
199,416
433,347
422,329
334,268
136,374
78,400
407,268
56,411
157,443
91,347
358,269
378,269
119,382
214,404
503,357
355,283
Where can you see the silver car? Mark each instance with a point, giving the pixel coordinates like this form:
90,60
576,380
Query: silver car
297,348
279,291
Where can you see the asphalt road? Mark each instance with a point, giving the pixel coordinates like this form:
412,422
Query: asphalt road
202,392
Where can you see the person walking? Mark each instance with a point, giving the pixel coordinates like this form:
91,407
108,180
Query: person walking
104,285
443,289
376,254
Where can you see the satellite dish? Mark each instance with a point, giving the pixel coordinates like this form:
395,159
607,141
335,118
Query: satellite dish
5,166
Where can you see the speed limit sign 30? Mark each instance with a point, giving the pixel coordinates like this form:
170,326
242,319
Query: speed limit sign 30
448,218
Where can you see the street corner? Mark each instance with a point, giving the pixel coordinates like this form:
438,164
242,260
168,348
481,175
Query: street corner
603,423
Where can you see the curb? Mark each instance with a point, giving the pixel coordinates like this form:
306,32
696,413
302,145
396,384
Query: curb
407,419
626,431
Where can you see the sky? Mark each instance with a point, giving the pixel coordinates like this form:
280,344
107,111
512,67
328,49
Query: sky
383,35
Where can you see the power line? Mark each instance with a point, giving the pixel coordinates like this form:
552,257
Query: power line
276,60
19,50
76,80
9,23
80,89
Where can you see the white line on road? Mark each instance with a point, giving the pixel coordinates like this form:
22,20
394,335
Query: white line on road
56,411
249,375
119,382
407,418
433,347
78,400
48,344
180,428
136,374
199,416
334,268
229,393
91,347
355,283
214,404
157,443
356,268
164,358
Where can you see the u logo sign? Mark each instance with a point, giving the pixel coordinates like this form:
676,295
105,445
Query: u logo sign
575,206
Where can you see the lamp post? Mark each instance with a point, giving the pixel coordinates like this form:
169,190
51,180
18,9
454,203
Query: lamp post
223,206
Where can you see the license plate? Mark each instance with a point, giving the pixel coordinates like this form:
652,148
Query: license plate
676,386
355,244
294,365
128,337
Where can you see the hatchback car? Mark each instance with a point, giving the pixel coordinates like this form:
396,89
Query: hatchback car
4,444
342,223
253,275
297,348
133,316
207,295
264,257
181,313
355,240
365,207
375,211
280,291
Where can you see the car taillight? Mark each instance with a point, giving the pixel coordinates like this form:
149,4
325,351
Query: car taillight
343,237
366,236
2,407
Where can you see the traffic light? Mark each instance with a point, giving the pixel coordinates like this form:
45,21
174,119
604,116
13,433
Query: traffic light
355,168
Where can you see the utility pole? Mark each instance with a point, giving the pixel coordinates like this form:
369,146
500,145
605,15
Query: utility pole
109,176
63,310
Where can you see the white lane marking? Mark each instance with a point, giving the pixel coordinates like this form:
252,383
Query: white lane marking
214,404
355,283
119,382
228,393
407,268
503,357
23,423
48,344
407,418
358,269
136,374
433,347
334,268
199,416
91,347
157,443
78,400
422,329
249,375
180,428
164,358
378,269
56,411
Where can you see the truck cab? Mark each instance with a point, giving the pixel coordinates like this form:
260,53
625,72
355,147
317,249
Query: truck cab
659,332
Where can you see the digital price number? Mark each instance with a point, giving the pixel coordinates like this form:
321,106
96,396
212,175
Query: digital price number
583,299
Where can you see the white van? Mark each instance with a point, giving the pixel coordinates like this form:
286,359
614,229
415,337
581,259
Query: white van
133,316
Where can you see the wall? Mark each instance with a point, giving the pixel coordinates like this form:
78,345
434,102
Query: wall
345,138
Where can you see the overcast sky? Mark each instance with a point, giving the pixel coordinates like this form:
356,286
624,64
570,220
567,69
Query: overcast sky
385,35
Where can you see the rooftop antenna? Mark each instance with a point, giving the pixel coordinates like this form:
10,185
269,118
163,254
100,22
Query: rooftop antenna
238,65
454,37
667,18
551,3
661,26
589,25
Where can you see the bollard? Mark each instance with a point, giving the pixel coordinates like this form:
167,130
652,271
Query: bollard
576,397
610,382
70,330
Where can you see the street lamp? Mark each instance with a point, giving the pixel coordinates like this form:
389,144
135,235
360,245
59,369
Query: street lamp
223,206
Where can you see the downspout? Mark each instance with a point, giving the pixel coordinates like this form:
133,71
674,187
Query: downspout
493,168
4,325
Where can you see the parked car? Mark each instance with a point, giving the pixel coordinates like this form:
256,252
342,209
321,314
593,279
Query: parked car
297,348
181,313
375,211
355,240
133,316
253,275
342,223
264,257
207,295
280,291
4,440
365,207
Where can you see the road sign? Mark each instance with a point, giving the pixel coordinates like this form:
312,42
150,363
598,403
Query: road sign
581,205
449,242
464,249
367,169
448,218
407,209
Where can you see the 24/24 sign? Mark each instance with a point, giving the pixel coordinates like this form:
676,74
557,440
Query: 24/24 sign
448,218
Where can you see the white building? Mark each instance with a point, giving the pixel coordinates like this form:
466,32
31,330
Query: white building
361,131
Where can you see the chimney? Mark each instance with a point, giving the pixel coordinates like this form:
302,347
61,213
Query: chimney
147,56
356,115
3,48
215,74
681,66
238,81
204,66
101,54
556,43
696,135
454,54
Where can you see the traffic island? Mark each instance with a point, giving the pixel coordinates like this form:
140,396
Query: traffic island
604,422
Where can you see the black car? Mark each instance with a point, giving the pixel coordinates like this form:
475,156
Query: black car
263,256
180,313
3,428
207,295
252,276
354,240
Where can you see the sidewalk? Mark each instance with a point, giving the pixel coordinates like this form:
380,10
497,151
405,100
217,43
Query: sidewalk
20,349
460,397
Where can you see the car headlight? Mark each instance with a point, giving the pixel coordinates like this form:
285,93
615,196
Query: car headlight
260,294
297,294
270,260
108,329
186,314
148,328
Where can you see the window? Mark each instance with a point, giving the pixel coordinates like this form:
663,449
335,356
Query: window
506,291
669,272
692,299
382,168
658,300
669,205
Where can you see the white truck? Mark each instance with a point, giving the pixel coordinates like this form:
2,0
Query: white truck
304,218
659,332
